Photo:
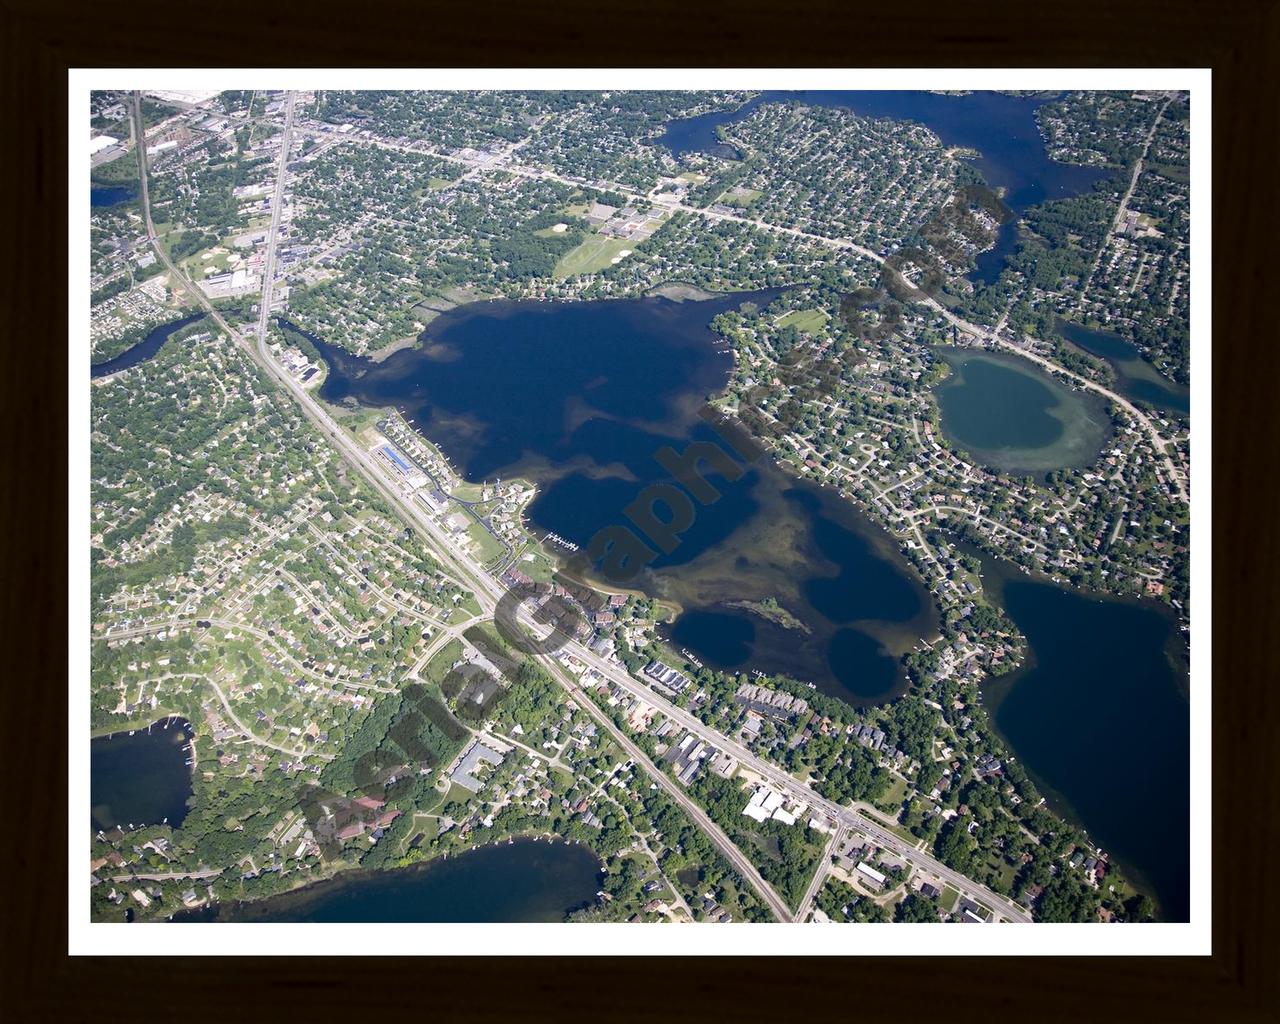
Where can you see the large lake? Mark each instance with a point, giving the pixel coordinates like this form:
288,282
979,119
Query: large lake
1009,415
521,882
1099,716
1001,128
141,778
579,397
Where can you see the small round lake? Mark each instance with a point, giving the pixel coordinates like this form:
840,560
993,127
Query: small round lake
1012,417
141,777
520,882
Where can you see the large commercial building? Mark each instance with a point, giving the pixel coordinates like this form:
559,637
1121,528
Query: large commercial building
238,282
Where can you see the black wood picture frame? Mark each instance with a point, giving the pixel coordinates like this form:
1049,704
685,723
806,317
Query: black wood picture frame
1238,39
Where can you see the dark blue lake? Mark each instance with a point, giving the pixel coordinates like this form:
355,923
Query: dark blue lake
521,882
140,779
143,350
579,397
1001,128
1136,378
111,195
1099,717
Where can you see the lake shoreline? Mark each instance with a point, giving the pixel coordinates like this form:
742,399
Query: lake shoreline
1072,426
142,775
328,898
1048,712
618,379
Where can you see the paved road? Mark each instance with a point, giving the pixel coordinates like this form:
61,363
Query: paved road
1124,202
488,591
820,875
1176,476
781,780
726,846
277,209
209,873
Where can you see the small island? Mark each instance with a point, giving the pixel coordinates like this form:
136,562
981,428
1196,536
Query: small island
768,608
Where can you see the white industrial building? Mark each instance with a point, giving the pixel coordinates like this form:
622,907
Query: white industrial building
238,282
765,803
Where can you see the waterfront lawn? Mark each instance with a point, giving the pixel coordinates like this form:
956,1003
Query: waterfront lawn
540,568
467,492
360,421
594,254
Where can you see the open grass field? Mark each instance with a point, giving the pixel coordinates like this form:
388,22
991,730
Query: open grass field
468,492
740,197
592,256
1006,871
438,667
489,548
806,320
893,798
894,827
198,268
540,567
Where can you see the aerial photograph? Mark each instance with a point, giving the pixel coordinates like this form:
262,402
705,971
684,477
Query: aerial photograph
637,505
